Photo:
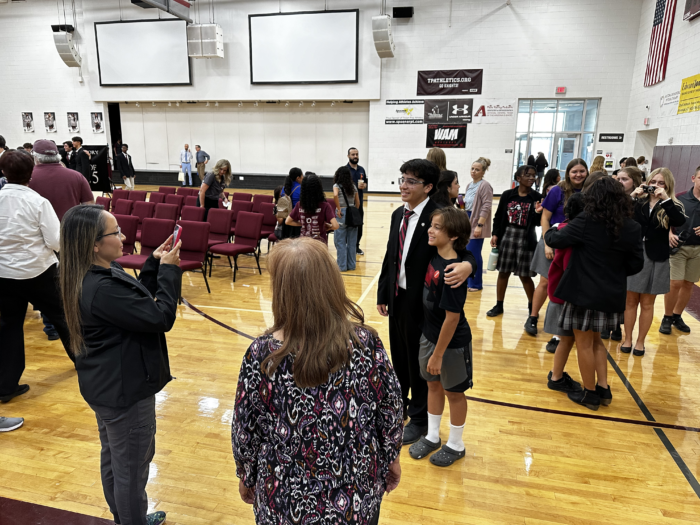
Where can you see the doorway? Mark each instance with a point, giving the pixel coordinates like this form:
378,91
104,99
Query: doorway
115,125
645,143
565,148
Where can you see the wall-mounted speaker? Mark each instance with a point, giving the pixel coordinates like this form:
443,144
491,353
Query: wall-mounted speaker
205,41
403,12
66,48
383,39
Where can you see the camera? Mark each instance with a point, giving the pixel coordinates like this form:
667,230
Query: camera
649,189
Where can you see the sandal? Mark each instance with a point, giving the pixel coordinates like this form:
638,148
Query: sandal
446,456
474,289
422,448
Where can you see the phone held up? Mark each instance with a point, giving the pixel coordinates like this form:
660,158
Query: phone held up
177,234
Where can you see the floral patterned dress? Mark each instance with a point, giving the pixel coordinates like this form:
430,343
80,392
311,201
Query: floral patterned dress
317,455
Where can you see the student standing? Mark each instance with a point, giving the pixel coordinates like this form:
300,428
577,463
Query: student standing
312,213
346,196
82,159
360,180
541,164
445,355
126,167
478,203
201,160
186,164
551,179
289,198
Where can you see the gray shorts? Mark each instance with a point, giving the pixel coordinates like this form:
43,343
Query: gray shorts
456,372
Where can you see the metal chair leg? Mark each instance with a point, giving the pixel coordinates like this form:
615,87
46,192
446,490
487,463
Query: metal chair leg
257,260
235,266
204,273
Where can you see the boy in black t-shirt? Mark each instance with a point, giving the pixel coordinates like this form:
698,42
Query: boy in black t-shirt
445,355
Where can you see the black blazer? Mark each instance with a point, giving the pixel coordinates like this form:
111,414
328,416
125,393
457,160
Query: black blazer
125,166
82,163
596,277
125,358
656,236
541,164
420,253
500,218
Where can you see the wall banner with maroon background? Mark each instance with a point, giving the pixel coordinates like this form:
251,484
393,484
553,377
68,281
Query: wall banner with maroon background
450,82
446,136
98,163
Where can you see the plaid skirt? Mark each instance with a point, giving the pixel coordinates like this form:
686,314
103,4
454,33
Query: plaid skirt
574,317
513,253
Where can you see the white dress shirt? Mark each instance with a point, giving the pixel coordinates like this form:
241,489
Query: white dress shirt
29,233
186,156
412,222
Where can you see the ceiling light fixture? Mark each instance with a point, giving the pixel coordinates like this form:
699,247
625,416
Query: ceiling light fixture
170,104
153,104
286,104
240,104
138,105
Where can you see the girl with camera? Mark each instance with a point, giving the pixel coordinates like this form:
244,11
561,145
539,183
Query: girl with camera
656,209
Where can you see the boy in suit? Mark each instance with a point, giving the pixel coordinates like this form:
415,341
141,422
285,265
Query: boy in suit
82,159
125,167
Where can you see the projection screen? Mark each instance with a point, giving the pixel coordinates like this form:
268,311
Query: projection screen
304,48
143,53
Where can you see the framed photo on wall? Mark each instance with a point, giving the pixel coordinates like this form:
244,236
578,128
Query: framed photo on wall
28,122
50,122
73,123
97,123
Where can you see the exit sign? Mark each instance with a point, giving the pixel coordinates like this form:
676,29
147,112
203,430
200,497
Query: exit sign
561,90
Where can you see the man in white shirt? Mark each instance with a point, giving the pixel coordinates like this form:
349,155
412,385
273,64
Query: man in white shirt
186,164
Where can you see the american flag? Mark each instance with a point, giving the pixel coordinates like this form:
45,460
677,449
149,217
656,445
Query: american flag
660,42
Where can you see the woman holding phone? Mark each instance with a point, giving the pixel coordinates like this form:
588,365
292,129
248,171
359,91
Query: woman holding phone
117,327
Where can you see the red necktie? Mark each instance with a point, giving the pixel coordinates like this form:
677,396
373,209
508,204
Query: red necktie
402,238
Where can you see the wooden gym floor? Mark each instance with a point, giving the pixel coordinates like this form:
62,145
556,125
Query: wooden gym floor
532,455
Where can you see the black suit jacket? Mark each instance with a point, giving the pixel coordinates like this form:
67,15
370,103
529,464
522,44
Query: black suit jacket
68,161
596,277
125,166
656,236
82,163
420,253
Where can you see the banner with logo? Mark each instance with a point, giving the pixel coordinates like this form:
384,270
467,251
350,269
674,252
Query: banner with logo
446,136
98,163
450,82
668,105
404,112
493,111
689,100
444,111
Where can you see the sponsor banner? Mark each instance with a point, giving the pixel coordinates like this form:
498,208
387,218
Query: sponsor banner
446,136
99,181
668,105
450,82
448,111
404,112
493,111
689,99
611,137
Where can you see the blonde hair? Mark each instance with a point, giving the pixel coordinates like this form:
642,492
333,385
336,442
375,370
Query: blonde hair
670,183
217,168
437,157
598,164
485,163
318,322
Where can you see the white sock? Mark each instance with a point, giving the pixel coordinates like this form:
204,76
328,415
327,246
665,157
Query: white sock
455,442
433,434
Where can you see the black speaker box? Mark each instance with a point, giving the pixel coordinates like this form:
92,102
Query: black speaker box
403,12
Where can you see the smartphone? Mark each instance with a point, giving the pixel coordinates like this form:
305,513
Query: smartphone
177,234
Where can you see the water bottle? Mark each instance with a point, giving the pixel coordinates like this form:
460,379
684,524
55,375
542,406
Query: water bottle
493,260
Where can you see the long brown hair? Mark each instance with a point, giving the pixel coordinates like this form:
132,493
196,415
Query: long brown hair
566,185
318,320
598,164
80,228
437,157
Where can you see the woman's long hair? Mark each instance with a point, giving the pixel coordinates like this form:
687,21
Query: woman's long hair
437,157
80,228
318,321
343,178
223,163
312,194
442,195
566,185
670,183
598,164
550,180
606,202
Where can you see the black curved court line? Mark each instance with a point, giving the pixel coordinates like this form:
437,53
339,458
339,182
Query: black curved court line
215,321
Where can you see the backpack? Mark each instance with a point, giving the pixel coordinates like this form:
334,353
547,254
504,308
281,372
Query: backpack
284,207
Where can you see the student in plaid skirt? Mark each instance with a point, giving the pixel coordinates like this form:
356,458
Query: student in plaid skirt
607,248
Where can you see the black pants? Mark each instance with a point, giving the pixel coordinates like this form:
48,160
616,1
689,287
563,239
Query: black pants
209,203
15,294
404,338
362,212
128,438
290,232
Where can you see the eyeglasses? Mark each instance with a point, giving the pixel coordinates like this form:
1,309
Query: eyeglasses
118,232
410,182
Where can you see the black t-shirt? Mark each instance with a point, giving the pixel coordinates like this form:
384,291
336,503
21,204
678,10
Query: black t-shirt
215,188
518,210
438,298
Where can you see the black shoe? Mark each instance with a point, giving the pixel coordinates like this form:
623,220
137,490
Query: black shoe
625,349
552,345
680,324
21,389
413,432
616,335
639,353
52,336
588,398
604,394
495,311
359,251
531,325
666,324
565,384
605,334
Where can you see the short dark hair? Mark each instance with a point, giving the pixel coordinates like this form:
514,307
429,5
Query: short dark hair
295,173
456,224
125,146
68,143
28,145
696,170
522,170
422,169
350,149
17,167
77,139
2,142
623,159
197,146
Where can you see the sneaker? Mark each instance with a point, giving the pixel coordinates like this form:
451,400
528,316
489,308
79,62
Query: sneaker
21,389
156,518
616,335
552,345
680,324
359,251
495,311
531,325
605,394
666,324
588,398
565,384
605,334
10,423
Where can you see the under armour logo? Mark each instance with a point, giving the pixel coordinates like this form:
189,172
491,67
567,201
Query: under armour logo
456,109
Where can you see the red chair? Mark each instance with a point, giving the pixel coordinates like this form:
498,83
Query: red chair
190,200
220,222
271,240
249,226
143,210
242,197
193,253
166,211
258,199
137,196
178,200
193,213
157,198
128,225
104,202
236,208
123,207
119,194
194,191
183,191
168,190
267,209
154,233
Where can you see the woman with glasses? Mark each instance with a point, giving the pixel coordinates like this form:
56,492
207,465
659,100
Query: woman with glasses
29,236
513,233
117,328
213,186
